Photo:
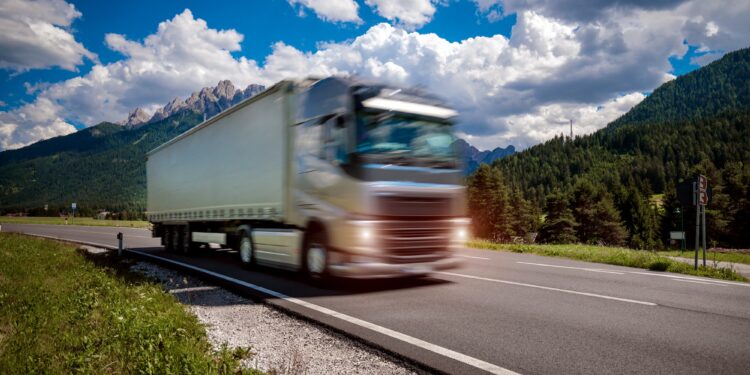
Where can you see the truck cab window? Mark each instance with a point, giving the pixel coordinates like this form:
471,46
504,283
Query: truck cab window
334,145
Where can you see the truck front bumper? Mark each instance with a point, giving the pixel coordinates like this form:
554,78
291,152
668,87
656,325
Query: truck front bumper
376,270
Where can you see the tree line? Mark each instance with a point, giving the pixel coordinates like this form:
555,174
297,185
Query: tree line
618,186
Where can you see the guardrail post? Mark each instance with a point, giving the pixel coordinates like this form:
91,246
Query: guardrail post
119,244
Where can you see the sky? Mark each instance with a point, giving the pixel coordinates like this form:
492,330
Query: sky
517,70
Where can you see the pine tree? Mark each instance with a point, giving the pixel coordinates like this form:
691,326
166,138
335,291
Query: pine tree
559,225
583,205
608,229
640,220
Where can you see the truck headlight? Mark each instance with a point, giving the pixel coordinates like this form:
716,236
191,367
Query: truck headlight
365,234
461,234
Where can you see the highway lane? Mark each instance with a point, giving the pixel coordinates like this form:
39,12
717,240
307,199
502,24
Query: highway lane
525,313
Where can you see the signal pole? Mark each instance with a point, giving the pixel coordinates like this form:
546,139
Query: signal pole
700,198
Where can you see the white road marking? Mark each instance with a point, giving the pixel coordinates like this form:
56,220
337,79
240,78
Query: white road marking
471,361
698,282
573,268
193,289
472,257
673,276
551,289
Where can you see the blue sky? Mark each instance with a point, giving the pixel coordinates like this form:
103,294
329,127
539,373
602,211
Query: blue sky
516,69
263,23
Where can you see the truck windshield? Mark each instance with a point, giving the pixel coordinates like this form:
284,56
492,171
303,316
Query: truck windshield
405,140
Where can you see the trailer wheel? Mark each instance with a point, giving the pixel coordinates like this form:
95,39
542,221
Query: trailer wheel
246,249
177,239
188,246
168,239
316,257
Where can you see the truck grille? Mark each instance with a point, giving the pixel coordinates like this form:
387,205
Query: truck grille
413,206
414,241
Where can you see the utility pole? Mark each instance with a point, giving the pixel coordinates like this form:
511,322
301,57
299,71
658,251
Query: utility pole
571,129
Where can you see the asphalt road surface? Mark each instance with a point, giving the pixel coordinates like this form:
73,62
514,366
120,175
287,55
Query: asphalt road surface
502,311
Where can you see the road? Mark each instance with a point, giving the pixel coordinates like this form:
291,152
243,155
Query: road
502,311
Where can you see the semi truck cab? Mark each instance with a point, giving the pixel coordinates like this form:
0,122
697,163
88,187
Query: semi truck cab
376,167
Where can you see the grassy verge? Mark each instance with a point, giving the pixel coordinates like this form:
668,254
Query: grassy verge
612,255
74,221
711,256
62,312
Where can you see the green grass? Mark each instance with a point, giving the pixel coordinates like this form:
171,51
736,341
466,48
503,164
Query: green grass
611,255
64,312
711,256
74,221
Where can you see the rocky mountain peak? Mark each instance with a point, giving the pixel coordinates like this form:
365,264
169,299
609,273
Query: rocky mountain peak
225,89
137,117
208,101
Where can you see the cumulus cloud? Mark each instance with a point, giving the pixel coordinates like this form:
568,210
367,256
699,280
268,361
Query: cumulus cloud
408,13
183,55
331,10
35,34
30,123
517,90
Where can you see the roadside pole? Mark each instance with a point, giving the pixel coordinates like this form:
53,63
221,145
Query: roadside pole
700,199
697,223
119,244
682,228
704,234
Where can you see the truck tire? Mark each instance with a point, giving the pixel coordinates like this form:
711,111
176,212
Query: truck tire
177,239
315,257
168,239
188,246
246,248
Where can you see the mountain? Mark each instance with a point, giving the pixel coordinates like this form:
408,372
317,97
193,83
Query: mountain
697,123
103,166
209,101
472,158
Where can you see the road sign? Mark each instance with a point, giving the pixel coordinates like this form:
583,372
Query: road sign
702,183
703,198
73,206
676,235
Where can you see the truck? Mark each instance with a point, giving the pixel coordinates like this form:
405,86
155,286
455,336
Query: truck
333,177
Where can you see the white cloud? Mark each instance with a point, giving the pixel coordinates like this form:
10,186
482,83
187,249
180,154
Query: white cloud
35,34
519,90
408,13
30,123
182,56
331,10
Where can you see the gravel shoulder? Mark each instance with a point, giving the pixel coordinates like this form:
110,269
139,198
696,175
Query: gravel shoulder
282,343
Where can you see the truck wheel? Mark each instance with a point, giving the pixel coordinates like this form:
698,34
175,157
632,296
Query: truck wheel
188,246
316,257
246,249
168,239
177,239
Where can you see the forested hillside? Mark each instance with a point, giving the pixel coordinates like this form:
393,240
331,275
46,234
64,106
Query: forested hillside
102,167
698,123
